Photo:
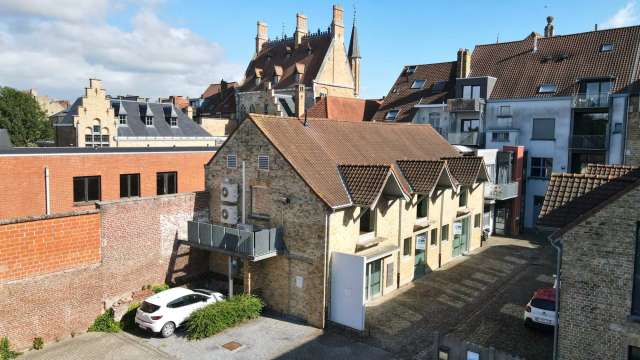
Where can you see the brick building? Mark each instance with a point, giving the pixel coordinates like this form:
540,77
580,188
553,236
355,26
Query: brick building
391,201
42,181
597,234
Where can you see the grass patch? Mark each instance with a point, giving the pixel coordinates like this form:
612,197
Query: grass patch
5,350
221,315
128,321
38,343
105,323
156,288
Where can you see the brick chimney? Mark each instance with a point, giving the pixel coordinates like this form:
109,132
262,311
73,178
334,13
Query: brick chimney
301,29
337,24
300,99
548,30
463,63
262,36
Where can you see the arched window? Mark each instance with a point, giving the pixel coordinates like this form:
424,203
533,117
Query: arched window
96,135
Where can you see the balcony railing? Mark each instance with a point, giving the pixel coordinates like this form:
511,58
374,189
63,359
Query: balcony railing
501,191
255,245
471,138
589,101
464,105
588,142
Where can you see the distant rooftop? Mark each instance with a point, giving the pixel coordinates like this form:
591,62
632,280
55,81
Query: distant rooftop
25,151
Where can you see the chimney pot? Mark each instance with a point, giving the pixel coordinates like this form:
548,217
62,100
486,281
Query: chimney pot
548,30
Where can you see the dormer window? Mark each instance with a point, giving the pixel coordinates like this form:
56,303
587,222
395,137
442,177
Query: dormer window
417,84
148,120
297,78
547,89
258,79
439,86
608,47
276,79
122,119
391,115
410,69
173,121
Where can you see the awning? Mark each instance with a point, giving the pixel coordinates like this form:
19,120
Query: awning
378,252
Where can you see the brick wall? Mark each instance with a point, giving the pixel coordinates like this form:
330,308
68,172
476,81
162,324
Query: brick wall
137,247
632,143
26,197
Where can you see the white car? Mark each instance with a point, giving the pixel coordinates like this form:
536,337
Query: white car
541,309
165,311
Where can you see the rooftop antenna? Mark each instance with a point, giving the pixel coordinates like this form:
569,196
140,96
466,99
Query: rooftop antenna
284,35
355,10
498,37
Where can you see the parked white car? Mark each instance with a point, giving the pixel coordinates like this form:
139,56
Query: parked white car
541,309
165,311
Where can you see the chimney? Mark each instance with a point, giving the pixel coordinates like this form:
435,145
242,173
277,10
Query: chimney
548,30
535,43
463,63
300,99
262,36
301,29
337,24
190,112
95,84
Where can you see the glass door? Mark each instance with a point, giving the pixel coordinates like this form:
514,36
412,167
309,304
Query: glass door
373,281
460,237
421,246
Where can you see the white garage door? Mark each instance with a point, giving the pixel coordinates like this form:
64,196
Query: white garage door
347,290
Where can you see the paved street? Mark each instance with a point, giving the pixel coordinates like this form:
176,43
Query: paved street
479,298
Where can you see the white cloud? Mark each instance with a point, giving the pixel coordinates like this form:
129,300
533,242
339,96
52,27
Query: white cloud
623,17
47,47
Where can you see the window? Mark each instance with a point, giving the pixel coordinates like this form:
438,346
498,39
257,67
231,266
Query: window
634,353
179,302
367,221
444,233
434,237
434,119
471,355
391,114
541,167
443,353
406,247
390,274
167,183
417,84
500,136
470,125
504,110
411,69
122,119
276,79
439,86
462,198
476,220
422,207
173,121
86,188
543,129
547,88
606,47
471,92
95,138
129,185
148,120
635,298
263,162
232,161
260,201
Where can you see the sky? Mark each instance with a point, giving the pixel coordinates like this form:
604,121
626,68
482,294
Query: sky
158,48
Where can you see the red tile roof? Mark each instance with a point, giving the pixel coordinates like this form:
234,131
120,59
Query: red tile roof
467,170
364,182
345,109
422,176
609,170
213,89
222,102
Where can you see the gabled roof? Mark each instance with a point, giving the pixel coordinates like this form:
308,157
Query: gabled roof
422,175
213,89
222,102
609,170
560,60
345,109
403,98
316,150
467,170
284,55
364,182
570,196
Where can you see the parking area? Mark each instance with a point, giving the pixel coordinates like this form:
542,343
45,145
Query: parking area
478,298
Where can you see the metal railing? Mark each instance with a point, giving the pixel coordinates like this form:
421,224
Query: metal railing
588,142
463,105
253,244
500,191
471,138
587,101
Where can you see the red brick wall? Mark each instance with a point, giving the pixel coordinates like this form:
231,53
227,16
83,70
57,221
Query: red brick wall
22,191
137,247
39,247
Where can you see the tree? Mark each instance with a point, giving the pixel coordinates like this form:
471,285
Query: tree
21,115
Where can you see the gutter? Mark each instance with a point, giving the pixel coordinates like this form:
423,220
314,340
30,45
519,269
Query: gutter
558,246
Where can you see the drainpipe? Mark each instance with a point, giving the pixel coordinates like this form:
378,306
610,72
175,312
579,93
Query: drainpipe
558,248
327,292
244,192
440,230
47,193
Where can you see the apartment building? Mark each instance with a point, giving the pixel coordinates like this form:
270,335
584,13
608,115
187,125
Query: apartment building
47,181
597,235
316,220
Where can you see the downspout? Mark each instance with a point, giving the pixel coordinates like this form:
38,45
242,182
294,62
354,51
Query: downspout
47,193
440,240
327,281
244,193
558,248
400,244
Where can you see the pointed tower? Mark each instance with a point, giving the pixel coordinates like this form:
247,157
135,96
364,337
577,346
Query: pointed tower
354,57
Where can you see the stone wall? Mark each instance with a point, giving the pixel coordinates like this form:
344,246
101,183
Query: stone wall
597,283
632,143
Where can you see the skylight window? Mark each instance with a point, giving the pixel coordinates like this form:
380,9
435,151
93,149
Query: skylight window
439,86
391,115
547,89
606,47
418,84
411,69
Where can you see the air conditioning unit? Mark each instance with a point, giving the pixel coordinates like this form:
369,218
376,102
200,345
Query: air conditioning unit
229,192
229,214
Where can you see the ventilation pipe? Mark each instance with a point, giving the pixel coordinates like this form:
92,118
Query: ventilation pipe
47,193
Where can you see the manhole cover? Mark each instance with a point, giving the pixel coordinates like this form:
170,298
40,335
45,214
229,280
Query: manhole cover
232,345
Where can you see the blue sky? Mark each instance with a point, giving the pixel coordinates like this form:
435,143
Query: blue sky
146,50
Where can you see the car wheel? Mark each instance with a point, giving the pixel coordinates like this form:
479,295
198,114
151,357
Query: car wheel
528,323
168,329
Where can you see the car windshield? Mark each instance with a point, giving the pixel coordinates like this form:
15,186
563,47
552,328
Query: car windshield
543,304
149,307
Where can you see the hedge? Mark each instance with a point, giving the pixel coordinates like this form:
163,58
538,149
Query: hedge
221,315
105,323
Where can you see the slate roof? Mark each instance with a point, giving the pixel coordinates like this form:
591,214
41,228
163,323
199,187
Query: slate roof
213,89
345,109
283,55
364,182
315,151
467,170
570,196
422,176
560,60
5,139
222,102
402,97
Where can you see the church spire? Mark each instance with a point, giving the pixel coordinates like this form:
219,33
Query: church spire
354,49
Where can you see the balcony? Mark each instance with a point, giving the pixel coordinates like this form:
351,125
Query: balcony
590,101
254,245
500,191
464,105
471,138
588,142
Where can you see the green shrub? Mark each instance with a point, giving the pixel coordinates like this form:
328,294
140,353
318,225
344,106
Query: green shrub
38,343
5,350
216,317
156,288
105,323
128,321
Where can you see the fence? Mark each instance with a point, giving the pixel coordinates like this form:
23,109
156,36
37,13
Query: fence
448,347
